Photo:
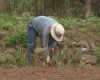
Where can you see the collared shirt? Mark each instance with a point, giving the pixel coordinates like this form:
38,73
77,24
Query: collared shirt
42,25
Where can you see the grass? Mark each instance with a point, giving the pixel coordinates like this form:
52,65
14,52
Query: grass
96,52
18,59
82,30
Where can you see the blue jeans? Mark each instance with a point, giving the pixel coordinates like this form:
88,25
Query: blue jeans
32,33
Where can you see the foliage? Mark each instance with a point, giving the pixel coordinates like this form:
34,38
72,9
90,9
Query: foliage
7,26
96,51
18,59
19,38
6,60
82,30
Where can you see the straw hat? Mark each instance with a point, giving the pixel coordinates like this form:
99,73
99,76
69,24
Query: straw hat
57,31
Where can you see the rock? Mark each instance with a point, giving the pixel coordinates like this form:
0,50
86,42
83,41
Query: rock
84,50
90,59
63,42
82,44
79,52
3,34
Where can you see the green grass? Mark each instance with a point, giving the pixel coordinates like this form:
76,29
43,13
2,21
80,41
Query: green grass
17,59
82,30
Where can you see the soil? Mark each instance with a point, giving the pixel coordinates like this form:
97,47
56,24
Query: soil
27,73
48,73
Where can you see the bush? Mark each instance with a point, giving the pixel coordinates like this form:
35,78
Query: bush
7,26
19,38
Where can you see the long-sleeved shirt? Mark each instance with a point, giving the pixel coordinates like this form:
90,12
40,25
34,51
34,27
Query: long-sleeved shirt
42,25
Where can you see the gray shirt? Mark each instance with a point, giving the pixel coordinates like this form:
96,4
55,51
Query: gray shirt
42,25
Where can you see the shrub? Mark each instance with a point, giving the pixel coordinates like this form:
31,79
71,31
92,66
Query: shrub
96,51
7,26
19,38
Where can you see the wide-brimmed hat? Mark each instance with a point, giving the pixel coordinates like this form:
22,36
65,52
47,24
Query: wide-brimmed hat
57,31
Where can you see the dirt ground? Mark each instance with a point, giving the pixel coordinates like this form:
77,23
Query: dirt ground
27,73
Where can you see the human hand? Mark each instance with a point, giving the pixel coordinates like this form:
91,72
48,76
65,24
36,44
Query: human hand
49,62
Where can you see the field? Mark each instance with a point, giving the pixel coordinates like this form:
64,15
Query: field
68,65
49,73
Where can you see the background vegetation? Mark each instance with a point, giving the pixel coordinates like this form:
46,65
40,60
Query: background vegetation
76,8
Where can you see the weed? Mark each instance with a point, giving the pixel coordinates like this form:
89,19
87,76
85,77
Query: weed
82,30
96,28
81,25
82,65
7,60
18,59
96,51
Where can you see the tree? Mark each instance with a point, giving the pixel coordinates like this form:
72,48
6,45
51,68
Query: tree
87,9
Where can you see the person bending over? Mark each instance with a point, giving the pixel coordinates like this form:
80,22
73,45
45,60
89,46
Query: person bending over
49,30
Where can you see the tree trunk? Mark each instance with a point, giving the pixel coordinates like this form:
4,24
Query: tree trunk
2,5
87,9
36,8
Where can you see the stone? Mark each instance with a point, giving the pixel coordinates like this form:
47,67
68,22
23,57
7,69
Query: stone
82,44
79,52
84,50
3,34
89,59
63,43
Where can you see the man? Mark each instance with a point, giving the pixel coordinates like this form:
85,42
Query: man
50,31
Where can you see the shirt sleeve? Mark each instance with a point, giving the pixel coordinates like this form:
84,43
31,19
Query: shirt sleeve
46,34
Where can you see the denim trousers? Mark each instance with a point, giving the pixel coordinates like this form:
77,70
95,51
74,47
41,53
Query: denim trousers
32,34
31,43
